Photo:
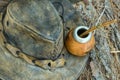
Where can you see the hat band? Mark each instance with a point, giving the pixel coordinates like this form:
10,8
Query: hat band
45,64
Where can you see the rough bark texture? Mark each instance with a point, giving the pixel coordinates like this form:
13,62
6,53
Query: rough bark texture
104,63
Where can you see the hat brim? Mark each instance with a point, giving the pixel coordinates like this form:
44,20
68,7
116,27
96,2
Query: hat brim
12,68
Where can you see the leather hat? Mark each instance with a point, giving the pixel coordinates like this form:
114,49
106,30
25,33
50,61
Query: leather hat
35,30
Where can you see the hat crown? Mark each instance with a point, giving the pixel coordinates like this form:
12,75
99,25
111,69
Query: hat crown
35,27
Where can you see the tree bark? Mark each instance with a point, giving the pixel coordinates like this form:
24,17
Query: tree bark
105,58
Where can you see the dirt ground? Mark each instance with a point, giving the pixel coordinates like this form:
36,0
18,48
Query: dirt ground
104,60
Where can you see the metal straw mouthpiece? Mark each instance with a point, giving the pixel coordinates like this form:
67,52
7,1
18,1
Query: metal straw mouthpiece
79,30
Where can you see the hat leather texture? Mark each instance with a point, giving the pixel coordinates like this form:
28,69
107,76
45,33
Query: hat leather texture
35,28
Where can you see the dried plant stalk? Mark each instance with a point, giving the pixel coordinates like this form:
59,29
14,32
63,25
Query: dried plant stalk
115,51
